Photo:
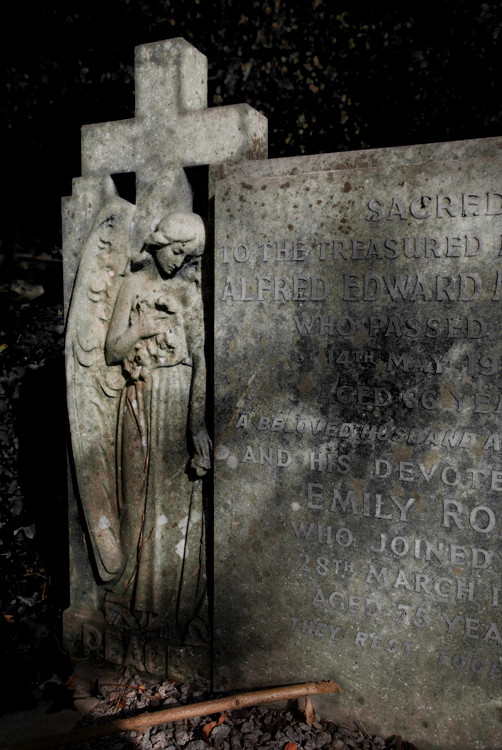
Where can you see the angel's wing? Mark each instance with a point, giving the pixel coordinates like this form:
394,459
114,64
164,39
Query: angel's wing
93,387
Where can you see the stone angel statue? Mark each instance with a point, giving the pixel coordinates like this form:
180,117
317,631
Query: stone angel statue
136,392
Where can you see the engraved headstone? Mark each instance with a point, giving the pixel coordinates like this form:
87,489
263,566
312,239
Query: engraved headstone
358,406
136,370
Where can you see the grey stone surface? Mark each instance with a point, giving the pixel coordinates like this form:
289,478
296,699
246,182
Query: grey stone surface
357,437
392,156
136,370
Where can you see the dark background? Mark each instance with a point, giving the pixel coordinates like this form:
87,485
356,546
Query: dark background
329,77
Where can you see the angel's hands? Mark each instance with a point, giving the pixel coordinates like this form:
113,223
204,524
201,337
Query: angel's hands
147,326
202,443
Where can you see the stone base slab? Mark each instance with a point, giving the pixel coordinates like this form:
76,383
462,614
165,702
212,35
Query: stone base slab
86,635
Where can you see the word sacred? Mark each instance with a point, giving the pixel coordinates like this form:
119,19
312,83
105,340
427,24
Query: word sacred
440,206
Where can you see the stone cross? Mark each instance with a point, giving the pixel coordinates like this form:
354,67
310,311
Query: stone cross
172,128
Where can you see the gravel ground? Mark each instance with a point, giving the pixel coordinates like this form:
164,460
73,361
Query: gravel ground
260,727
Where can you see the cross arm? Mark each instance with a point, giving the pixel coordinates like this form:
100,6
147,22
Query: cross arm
221,134
111,147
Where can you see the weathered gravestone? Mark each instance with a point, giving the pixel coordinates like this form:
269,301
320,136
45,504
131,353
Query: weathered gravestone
136,372
358,406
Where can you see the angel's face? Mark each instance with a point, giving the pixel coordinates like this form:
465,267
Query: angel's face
176,243
171,257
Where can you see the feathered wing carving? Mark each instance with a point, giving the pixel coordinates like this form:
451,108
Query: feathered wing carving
93,387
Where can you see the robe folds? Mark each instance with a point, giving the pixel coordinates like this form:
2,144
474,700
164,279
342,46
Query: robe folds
160,503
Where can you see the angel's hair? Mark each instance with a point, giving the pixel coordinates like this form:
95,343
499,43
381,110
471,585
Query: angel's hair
182,226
